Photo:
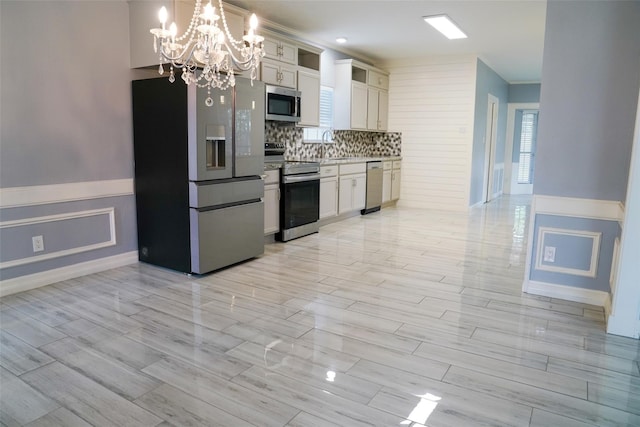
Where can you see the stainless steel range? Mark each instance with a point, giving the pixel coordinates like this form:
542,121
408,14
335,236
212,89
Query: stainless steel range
300,200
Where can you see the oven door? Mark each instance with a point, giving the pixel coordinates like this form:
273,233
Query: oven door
300,200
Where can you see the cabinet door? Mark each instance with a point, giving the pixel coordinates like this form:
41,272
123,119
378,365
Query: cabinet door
271,209
280,51
345,194
373,96
358,106
359,191
270,72
383,110
386,186
288,53
395,184
288,77
328,197
271,48
309,85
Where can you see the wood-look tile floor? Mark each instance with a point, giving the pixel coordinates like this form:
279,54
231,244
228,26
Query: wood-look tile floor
399,318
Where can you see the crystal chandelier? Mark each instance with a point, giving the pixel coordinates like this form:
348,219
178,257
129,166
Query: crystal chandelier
206,53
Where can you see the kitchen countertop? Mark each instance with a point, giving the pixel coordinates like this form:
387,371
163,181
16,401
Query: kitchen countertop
346,160
333,161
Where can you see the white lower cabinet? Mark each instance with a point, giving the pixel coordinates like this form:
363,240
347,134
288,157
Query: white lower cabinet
386,183
328,197
272,202
328,191
352,187
395,180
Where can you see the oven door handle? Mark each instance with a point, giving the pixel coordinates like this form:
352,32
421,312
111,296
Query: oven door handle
300,178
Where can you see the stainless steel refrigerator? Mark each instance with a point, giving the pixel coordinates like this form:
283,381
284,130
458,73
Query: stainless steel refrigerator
198,173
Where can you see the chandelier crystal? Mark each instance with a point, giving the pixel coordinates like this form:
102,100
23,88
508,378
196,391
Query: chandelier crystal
206,53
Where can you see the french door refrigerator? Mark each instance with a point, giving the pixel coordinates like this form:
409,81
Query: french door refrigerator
198,174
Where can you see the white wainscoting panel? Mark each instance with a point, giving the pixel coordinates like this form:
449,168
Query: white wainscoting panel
108,212
13,197
36,280
570,207
432,103
609,210
543,232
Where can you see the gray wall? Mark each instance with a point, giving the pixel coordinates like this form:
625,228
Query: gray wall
588,99
66,118
524,92
487,82
66,114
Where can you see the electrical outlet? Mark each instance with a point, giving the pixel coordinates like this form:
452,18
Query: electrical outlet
549,254
38,243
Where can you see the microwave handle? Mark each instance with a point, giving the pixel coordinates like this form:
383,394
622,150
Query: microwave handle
296,113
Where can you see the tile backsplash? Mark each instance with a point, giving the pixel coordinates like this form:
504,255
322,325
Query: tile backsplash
346,143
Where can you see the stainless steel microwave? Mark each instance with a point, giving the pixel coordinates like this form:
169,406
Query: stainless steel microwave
282,104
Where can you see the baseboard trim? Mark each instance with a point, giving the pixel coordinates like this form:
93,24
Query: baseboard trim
569,293
37,280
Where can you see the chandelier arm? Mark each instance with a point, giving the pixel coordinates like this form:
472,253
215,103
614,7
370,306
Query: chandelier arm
192,24
190,48
242,64
233,41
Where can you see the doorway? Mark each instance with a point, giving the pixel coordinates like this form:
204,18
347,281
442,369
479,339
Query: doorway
522,132
492,185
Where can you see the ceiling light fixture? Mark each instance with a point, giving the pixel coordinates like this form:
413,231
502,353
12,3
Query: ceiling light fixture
205,52
446,26
341,40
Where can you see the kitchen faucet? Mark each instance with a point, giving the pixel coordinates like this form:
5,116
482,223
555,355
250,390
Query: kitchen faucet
325,139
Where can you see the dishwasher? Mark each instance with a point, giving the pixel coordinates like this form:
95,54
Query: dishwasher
374,187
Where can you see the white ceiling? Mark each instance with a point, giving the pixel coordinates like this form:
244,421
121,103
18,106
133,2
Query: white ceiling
508,35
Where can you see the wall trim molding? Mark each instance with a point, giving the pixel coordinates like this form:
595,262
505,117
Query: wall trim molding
37,280
15,197
610,210
595,251
569,293
62,217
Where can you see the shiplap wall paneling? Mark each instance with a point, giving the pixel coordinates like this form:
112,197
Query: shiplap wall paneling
432,104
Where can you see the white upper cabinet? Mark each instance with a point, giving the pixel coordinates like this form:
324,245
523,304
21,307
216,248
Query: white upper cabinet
360,96
278,73
358,106
378,79
143,16
377,109
279,49
309,86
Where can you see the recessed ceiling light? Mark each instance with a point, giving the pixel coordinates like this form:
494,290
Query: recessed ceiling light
341,40
445,25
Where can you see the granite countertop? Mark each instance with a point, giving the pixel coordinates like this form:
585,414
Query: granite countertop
272,166
334,161
346,160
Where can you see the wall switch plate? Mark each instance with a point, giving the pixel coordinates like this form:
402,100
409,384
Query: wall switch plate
549,254
38,243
